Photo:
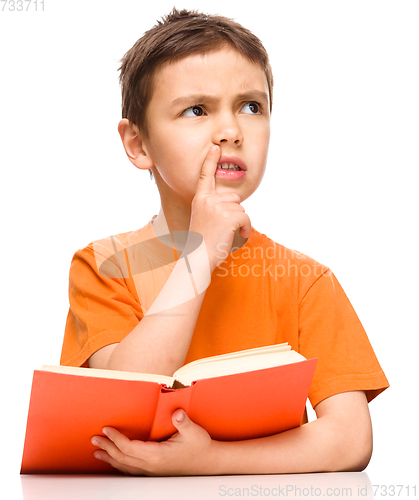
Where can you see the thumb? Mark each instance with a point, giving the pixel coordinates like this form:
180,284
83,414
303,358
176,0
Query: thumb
180,420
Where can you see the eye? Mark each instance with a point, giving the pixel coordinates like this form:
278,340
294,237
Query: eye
251,108
194,111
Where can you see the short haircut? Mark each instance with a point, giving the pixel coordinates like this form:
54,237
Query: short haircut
178,35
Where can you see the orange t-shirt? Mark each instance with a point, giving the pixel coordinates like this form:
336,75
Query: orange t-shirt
262,294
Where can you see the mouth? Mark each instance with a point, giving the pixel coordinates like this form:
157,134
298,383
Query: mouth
231,163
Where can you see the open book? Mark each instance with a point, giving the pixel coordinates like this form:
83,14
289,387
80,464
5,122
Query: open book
215,366
241,395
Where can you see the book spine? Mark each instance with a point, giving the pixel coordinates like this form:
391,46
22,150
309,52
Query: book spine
169,401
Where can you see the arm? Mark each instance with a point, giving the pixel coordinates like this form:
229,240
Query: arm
339,440
160,342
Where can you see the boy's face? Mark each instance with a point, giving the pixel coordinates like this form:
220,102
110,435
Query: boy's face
218,98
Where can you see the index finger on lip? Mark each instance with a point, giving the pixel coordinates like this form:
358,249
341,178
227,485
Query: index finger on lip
206,182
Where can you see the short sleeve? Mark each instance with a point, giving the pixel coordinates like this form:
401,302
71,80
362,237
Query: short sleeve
330,330
103,310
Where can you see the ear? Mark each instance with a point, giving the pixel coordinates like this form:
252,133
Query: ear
133,145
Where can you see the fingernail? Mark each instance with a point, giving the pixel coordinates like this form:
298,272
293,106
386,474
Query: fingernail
95,442
105,432
97,455
214,149
180,417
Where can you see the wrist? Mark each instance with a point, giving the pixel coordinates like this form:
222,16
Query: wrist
198,261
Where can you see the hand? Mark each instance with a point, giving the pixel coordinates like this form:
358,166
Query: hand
216,216
188,452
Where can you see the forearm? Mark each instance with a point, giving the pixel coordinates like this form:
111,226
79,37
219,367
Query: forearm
160,342
320,446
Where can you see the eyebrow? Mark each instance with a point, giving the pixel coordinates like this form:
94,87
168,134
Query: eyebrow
251,95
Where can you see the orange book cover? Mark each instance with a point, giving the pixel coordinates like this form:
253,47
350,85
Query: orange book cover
66,410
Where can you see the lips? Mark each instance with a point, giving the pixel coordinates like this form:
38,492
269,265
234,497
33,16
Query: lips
235,160
230,175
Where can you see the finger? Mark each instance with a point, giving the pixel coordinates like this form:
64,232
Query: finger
123,461
184,425
126,469
120,441
241,220
117,442
111,448
244,224
182,422
230,197
233,207
131,448
206,182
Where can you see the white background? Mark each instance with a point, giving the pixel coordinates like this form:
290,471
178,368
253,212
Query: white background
341,183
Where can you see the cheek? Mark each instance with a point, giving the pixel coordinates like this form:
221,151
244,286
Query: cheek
258,143
193,141
188,151
182,146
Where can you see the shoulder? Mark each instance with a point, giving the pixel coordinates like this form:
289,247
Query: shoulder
105,256
278,253
293,266
111,244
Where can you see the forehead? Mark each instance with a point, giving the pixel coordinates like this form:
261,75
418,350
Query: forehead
224,71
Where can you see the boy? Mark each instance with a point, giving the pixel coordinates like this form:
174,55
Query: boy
198,280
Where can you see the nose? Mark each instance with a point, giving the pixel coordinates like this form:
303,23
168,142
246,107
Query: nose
228,130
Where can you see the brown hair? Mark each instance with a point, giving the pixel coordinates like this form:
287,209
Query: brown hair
179,34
